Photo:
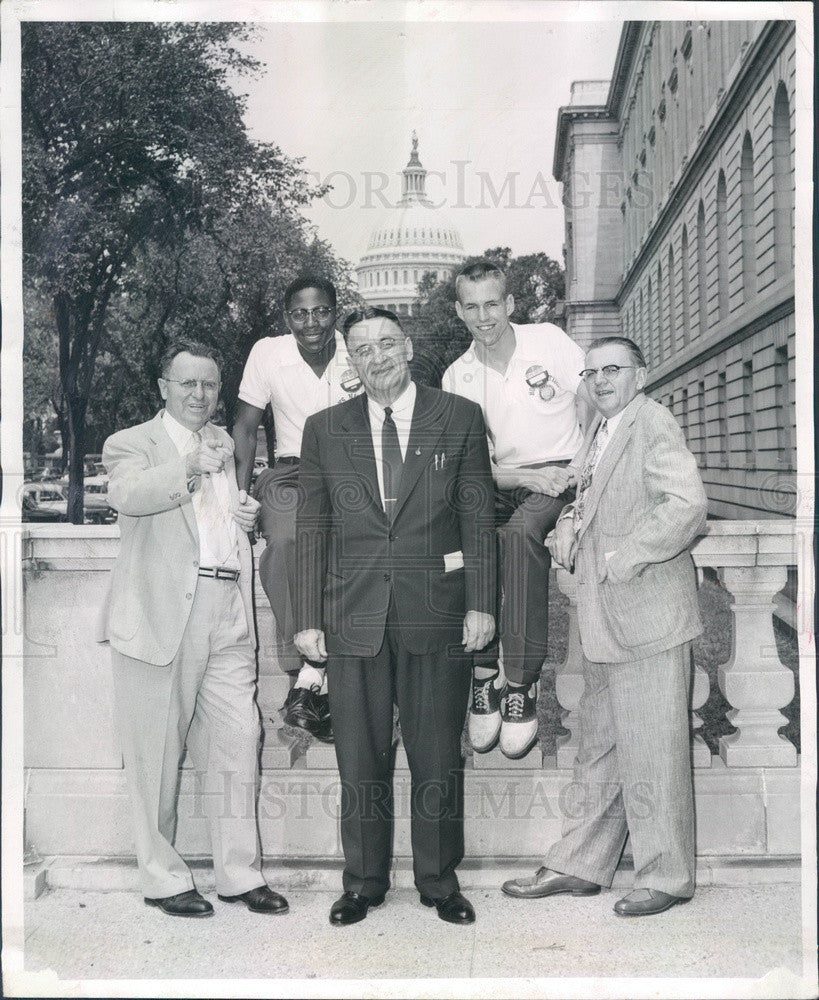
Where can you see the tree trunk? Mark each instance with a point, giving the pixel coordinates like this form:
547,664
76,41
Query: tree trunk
76,467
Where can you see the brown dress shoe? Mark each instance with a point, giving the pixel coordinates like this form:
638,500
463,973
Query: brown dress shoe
545,882
646,902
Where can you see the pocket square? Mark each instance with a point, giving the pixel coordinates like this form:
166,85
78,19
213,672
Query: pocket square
453,560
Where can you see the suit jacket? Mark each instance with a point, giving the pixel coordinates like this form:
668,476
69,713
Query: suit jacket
155,575
645,506
350,556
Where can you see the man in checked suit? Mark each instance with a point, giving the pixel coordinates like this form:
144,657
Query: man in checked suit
396,588
180,623
640,505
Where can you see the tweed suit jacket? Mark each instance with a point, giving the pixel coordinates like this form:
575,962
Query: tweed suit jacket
645,506
155,574
350,557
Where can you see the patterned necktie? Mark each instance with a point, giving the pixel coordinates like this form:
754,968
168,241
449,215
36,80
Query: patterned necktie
210,515
392,462
588,471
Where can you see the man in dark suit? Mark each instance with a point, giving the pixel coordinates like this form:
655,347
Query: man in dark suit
396,588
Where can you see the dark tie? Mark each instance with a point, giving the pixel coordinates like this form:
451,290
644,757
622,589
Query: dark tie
392,461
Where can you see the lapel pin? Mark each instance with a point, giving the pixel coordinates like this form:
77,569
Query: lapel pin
417,451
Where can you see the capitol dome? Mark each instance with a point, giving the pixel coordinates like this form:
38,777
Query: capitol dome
413,238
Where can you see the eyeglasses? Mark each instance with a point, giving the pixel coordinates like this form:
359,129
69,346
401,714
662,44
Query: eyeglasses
190,384
386,344
301,315
609,371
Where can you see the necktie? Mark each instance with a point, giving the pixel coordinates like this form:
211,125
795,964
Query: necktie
392,462
588,471
211,517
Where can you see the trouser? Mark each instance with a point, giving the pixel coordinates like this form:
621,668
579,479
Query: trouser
431,692
632,775
205,698
276,490
523,520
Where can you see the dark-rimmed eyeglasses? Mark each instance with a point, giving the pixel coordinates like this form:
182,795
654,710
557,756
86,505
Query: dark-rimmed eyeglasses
609,371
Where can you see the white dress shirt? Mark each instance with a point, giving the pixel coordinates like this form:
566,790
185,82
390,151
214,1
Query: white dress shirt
186,440
402,410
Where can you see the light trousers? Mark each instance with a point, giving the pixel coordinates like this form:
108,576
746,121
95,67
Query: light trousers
632,775
205,699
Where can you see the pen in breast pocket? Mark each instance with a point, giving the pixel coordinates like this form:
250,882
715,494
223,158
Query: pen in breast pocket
443,458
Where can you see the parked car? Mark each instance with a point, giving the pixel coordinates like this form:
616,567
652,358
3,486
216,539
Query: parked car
44,502
49,502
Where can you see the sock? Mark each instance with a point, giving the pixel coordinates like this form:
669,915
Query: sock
484,673
309,677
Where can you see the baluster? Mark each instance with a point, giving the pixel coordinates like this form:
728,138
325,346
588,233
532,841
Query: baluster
569,677
700,690
755,682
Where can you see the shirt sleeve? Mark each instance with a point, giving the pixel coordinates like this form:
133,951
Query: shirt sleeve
568,360
255,388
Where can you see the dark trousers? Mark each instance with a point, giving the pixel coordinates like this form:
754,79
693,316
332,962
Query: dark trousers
523,521
276,490
431,692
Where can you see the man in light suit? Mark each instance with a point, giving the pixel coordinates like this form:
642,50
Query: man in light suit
640,505
180,623
396,579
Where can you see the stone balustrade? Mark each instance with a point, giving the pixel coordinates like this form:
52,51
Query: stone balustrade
76,804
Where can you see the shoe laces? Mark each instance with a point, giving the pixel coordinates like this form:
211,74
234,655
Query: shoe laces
515,703
481,696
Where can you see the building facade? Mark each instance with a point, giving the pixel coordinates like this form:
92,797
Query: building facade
678,182
411,240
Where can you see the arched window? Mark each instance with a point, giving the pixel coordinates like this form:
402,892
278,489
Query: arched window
672,305
722,246
783,184
685,265
702,288
746,186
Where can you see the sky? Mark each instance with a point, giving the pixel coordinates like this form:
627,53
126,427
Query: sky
483,98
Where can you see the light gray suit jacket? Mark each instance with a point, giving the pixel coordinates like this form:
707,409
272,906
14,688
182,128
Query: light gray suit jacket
645,506
156,572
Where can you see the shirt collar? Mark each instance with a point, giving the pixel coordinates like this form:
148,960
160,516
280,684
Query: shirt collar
613,422
402,407
178,433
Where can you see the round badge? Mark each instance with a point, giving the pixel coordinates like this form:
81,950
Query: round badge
546,392
350,382
536,378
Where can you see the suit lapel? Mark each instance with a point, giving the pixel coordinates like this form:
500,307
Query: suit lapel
358,445
166,452
425,432
609,460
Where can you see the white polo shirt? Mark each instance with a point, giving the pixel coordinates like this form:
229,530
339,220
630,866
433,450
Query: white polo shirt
276,373
529,410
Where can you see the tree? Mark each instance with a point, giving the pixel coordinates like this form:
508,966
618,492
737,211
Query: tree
132,139
535,280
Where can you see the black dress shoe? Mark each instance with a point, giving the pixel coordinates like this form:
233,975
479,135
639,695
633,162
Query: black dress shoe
454,908
183,904
301,710
352,907
260,900
325,730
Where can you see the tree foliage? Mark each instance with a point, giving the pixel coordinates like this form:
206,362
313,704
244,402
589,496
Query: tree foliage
535,281
147,211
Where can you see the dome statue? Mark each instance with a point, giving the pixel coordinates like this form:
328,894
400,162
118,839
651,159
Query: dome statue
409,240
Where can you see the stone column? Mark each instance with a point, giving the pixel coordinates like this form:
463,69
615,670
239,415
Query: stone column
700,690
569,677
754,680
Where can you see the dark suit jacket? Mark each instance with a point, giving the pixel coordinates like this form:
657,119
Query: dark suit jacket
350,557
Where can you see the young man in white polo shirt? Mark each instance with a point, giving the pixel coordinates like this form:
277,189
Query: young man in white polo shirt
526,380
298,374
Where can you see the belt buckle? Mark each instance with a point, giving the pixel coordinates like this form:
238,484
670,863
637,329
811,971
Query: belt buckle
226,574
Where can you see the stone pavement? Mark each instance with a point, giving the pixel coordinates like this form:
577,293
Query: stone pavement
526,948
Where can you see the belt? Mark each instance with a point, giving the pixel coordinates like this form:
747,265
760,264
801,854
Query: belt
219,573
288,460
